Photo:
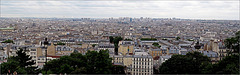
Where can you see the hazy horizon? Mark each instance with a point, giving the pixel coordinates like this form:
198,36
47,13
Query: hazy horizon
206,10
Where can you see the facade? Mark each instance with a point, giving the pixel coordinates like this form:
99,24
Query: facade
9,29
157,52
63,50
142,65
51,50
125,47
109,47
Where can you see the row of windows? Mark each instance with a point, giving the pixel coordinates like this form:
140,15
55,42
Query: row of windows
143,66
141,73
142,70
146,63
33,49
142,59
106,46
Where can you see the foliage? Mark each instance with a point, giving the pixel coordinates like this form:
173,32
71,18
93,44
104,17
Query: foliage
93,45
8,41
148,39
229,65
118,69
177,38
127,39
111,39
233,43
156,44
191,63
79,44
196,63
21,63
60,43
116,41
92,63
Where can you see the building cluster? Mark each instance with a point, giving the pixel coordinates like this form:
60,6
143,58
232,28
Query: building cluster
138,54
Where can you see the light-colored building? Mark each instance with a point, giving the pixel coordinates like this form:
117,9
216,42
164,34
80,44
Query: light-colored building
142,65
125,47
157,52
63,50
109,47
51,50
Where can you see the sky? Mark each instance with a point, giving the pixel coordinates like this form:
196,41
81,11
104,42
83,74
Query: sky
219,10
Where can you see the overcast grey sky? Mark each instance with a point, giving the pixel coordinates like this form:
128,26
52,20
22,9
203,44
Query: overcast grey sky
228,10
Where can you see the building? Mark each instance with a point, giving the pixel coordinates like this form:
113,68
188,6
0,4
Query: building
157,52
109,47
8,29
125,47
212,55
142,65
63,50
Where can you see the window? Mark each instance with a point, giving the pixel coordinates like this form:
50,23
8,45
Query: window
33,49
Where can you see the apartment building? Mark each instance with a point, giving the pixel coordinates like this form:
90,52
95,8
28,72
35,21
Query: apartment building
142,65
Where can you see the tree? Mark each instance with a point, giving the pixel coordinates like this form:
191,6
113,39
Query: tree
60,43
66,64
156,44
92,63
10,65
116,41
177,38
93,45
111,39
229,65
23,58
118,69
191,63
233,43
98,63
127,39
21,63
8,41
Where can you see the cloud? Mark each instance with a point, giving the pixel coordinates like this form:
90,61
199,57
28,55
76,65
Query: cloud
180,9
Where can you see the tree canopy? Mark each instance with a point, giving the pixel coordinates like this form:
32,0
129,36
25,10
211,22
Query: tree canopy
177,38
191,63
156,44
8,41
111,39
229,65
115,40
93,45
60,43
233,42
92,63
127,39
21,63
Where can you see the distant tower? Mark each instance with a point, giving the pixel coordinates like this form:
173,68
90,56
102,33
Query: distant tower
130,19
34,24
15,27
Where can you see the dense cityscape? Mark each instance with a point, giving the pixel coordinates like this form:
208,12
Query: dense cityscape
124,45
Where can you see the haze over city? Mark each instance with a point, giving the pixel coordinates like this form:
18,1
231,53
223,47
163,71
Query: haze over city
219,9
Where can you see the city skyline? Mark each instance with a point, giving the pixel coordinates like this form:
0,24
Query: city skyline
217,10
